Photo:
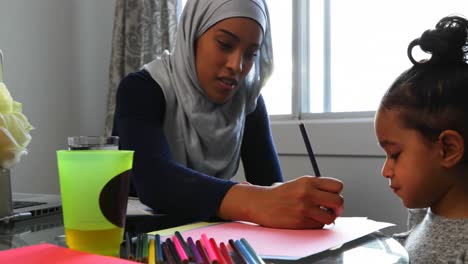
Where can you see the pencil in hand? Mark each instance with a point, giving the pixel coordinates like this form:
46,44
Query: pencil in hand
309,149
313,161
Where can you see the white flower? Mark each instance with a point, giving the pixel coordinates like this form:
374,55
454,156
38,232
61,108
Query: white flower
14,130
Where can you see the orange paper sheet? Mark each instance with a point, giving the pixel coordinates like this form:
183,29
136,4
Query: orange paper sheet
52,254
289,244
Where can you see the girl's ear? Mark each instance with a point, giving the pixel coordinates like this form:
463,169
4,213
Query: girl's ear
452,148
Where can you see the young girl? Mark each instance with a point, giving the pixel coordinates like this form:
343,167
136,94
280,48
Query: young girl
422,124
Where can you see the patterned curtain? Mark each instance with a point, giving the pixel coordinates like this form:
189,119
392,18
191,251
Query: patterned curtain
142,30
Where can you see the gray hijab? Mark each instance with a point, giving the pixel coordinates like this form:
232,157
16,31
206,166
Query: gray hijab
202,135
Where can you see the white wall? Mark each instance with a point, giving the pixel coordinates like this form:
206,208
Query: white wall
57,54
56,63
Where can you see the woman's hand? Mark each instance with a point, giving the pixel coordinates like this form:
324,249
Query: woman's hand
304,203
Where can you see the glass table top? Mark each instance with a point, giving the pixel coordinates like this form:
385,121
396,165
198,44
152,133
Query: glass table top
375,246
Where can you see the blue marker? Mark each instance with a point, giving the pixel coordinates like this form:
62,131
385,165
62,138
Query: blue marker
159,256
245,253
251,251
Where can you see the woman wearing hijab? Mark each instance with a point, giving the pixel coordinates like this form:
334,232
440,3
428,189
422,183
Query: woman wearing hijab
192,114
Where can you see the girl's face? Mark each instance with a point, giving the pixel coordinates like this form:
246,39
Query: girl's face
224,54
413,164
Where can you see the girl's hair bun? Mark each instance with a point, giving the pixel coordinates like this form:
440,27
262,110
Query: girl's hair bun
447,43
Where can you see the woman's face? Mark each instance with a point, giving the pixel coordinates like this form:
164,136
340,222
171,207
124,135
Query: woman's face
224,54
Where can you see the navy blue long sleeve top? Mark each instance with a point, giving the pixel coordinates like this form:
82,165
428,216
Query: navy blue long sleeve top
167,186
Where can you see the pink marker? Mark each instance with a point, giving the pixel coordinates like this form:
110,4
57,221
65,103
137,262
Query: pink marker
180,250
211,253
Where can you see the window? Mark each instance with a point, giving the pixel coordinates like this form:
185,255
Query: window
279,87
341,56
368,43
355,50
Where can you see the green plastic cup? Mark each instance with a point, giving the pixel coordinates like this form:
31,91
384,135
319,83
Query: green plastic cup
94,185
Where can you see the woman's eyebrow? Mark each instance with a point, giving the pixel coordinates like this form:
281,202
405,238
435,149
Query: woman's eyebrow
255,45
229,33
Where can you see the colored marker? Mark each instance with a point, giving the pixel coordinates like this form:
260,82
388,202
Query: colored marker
168,254
237,252
225,253
187,249
196,255
159,251
203,252
247,256
128,246
151,252
251,251
180,250
171,247
215,247
138,250
144,247
209,249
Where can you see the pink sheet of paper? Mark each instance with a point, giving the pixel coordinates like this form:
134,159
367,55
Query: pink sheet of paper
286,243
52,254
